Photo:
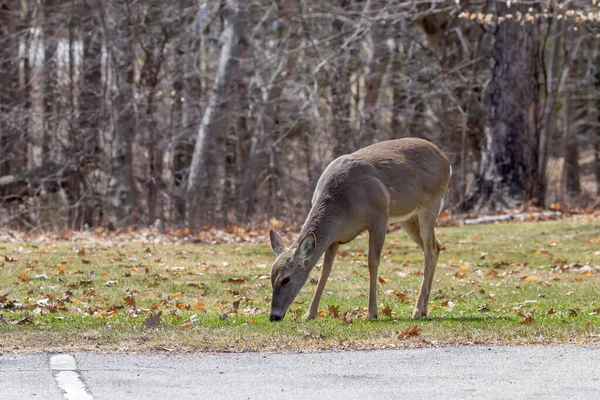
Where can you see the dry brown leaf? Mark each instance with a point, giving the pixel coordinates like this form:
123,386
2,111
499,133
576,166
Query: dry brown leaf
532,278
237,280
387,311
410,331
24,277
186,325
527,320
573,312
153,320
383,281
178,294
129,300
334,311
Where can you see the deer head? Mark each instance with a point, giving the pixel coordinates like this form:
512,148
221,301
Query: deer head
290,271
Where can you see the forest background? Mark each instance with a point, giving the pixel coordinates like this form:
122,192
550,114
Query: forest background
197,113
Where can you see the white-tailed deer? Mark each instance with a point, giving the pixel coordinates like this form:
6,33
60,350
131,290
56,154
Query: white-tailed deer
400,180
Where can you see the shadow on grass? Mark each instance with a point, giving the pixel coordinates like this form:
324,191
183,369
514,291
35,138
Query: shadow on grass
469,319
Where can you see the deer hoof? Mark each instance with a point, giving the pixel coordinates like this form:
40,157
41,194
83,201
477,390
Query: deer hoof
308,316
419,313
371,317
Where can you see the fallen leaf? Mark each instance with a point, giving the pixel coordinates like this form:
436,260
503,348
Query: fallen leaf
186,325
573,312
333,311
410,331
397,295
383,281
551,311
237,280
527,320
24,277
153,320
532,278
387,311
178,294
130,300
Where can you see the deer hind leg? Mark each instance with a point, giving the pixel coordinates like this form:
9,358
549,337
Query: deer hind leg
431,250
377,234
327,264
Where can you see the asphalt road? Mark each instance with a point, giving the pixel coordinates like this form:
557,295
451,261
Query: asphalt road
435,373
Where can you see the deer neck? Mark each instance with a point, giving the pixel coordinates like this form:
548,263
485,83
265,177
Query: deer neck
323,223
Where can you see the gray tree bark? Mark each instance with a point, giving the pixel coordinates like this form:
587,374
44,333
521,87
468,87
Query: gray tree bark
12,150
217,115
341,92
51,95
508,174
374,77
266,130
91,83
122,191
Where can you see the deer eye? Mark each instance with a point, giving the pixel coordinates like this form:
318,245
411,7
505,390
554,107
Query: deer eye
285,281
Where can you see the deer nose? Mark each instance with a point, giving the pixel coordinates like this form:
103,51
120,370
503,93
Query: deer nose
275,317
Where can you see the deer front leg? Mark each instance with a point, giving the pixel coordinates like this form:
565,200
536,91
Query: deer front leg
327,264
376,239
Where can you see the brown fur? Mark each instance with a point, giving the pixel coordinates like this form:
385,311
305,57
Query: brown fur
398,180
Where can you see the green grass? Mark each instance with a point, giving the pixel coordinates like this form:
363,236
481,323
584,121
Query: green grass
495,284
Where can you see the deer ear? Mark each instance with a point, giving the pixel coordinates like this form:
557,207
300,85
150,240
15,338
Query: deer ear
276,242
308,245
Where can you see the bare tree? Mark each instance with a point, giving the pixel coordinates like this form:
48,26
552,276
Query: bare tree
13,143
217,115
508,175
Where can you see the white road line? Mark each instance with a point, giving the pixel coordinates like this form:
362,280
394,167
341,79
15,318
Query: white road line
67,377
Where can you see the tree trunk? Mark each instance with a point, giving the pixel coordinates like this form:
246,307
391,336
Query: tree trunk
267,125
217,115
571,152
91,84
595,116
398,125
191,93
51,94
374,76
508,174
122,192
339,77
12,154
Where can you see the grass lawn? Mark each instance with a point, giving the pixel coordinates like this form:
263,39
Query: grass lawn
511,283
